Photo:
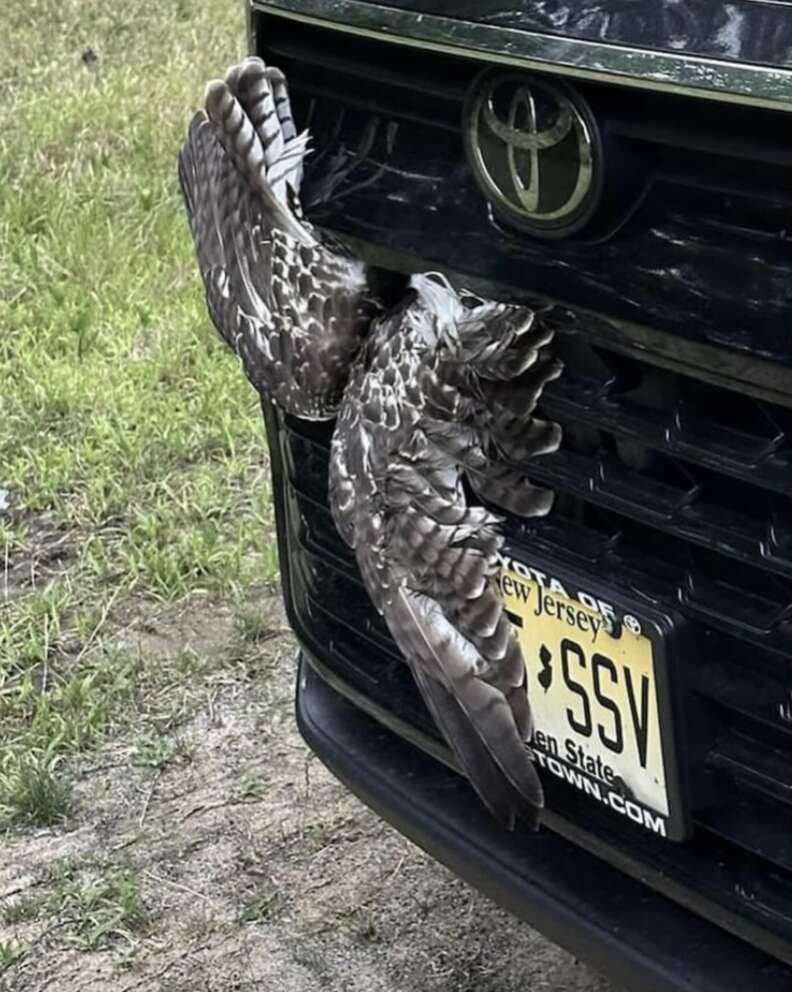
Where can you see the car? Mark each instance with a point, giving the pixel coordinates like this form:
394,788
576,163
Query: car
627,168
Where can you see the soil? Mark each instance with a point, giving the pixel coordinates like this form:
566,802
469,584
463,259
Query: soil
257,870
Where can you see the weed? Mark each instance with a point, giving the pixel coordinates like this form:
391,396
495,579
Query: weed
22,910
31,630
187,662
10,952
90,899
265,904
252,784
158,751
364,929
253,624
101,910
32,790
200,924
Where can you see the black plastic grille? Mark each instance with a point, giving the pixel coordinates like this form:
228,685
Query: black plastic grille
669,488
740,758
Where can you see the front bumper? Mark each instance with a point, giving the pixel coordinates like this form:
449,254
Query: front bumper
635,937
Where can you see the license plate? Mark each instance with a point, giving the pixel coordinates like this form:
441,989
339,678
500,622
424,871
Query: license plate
599,691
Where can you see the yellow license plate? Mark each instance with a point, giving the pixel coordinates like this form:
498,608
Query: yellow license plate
602,724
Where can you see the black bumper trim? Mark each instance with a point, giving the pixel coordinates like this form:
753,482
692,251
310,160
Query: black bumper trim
632,935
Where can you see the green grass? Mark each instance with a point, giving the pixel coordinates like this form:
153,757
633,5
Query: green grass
130,442
10,952
102,910
32,793
92,904
158,751
265,904
23,910
251,785
254,624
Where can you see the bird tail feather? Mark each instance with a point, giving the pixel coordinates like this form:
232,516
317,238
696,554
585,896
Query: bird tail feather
506,803
476,716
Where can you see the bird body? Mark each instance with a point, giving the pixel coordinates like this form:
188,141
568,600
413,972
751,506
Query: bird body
434,397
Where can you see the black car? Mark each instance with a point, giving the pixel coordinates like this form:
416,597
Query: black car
627,165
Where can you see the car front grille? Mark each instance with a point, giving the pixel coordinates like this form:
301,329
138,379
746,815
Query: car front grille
736,724
672,486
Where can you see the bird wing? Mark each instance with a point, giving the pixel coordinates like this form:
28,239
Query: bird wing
292,309
413,420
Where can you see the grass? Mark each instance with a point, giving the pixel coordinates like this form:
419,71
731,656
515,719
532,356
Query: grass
130,444
252,784
10,952
92,905
158,751
31,790
265,904
102,910
23,910
253,624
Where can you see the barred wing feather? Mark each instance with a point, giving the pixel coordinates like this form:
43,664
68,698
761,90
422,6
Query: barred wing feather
293,308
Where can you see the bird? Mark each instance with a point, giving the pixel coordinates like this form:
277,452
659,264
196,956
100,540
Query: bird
443,392
292,304
433,400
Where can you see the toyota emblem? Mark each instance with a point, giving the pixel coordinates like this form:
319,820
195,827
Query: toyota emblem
534,147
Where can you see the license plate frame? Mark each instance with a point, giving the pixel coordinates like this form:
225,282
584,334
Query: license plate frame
628,622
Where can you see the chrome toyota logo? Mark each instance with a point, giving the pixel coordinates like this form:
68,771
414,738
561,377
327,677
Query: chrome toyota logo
534,147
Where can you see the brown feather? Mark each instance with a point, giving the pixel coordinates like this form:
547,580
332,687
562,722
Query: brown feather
293,309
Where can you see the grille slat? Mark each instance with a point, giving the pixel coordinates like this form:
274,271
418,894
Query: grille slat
762,459
707,190
757,826
757,767
677,510
753,825
761,620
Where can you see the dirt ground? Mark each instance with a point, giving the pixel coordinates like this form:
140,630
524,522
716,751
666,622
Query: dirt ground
252,867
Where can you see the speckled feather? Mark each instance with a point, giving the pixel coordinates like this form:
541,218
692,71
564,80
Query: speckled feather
426,404
293,308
